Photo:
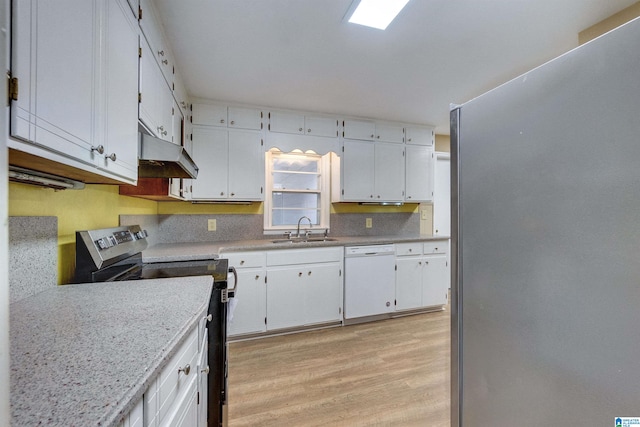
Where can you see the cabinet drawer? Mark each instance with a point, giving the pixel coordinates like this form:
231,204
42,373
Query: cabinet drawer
437,247
304,256
404,249
245,259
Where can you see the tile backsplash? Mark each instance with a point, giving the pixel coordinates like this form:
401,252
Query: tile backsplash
193,228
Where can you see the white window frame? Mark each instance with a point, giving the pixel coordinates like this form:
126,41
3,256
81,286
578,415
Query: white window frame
324,184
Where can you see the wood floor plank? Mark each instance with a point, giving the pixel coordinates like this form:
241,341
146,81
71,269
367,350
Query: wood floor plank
388,373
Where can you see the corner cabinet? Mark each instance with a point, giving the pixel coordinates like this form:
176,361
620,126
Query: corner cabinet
76,68
422,275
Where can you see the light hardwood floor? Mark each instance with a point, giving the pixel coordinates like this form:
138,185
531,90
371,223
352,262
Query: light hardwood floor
388,373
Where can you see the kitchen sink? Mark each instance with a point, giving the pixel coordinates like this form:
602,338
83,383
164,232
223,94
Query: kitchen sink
304,240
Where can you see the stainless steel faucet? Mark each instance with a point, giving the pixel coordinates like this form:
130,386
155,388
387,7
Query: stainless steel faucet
300,220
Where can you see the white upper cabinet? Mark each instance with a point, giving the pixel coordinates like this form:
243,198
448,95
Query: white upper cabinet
152,32
370,172
370,131
297,123
156,99
231,164
419,173
359,129
389,133
220,115
73,61
121,67
245,118
419,135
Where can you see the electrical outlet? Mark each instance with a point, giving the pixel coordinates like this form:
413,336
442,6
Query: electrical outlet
211,225
423,214
368,222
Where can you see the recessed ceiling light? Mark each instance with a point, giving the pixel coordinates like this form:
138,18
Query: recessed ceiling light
376,13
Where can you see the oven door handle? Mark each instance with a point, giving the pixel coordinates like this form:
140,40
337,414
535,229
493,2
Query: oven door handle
235,279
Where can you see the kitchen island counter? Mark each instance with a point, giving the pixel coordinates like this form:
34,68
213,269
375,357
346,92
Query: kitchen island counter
85,354
209,250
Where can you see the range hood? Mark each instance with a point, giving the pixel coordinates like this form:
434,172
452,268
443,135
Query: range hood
163,159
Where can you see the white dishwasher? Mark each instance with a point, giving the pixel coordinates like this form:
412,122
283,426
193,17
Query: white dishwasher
369,280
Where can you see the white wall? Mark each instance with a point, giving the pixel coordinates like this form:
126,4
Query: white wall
4,273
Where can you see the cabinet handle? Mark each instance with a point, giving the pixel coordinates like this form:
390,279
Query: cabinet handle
377,136
241,261
300,274
309,274
299,129
371,196
410,250
257,276
99,149
233,122
186,370
308,130
233,194
409,140
209,317
165,61
221,120
205,370
419,262
111,157
161,52
378,196
222,193
372,135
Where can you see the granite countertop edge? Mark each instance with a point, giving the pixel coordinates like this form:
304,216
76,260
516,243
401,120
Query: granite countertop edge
129,400
192,251
31,331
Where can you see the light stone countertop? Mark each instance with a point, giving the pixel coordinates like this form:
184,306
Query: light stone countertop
210,250
83,355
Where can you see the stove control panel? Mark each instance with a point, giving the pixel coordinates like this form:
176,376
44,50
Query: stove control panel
106,246
120,237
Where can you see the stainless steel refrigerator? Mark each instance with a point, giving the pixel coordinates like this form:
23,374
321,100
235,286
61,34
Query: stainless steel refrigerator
546,243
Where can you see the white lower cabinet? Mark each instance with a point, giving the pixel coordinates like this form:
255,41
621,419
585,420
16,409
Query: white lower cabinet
135,417
250,300
172,398
304,287
422,274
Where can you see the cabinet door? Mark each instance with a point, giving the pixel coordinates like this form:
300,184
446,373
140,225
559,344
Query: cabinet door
285,297
409,282
251,302
246,166
203,379
121,68
358,171
55,47
419,136
209,114
156,100
245,118
389,172
321,126
323,298
177,128
389,133
210,152
359,129
419,173
435,280
286,122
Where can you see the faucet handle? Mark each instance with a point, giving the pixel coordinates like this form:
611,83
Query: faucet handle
326,232
287,234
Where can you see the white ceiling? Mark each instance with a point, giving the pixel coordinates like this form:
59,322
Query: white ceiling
302,54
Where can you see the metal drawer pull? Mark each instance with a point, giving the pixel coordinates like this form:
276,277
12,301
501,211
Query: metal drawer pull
111,157
209,317
186,370
205,370
99,149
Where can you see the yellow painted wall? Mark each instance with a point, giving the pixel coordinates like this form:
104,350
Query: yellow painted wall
624,16
97,206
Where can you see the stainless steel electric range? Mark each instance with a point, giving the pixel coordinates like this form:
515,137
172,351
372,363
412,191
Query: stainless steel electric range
115,254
